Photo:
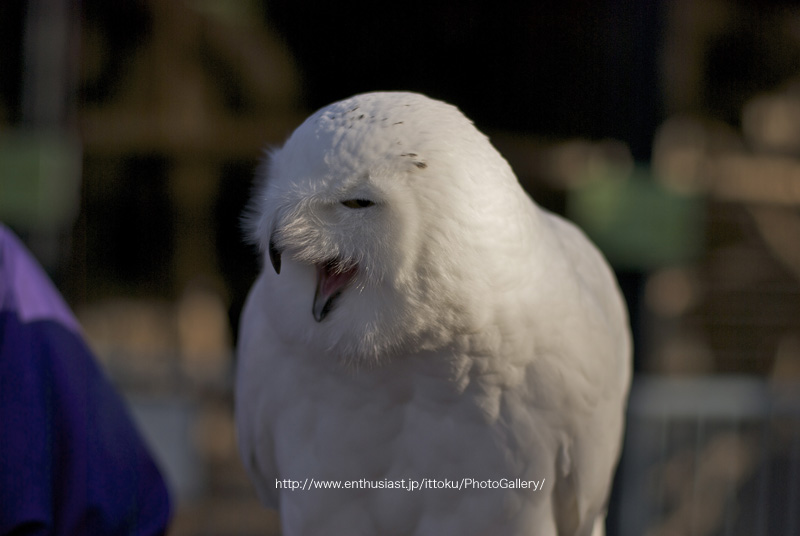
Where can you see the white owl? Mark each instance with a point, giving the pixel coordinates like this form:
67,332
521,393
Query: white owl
419,319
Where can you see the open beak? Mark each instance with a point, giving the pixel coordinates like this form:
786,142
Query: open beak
274,254
331,281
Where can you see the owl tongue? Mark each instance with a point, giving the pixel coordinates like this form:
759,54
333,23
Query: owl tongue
330,284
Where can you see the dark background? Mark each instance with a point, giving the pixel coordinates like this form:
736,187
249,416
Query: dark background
153,115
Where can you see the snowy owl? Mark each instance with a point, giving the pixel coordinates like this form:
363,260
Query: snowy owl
426,351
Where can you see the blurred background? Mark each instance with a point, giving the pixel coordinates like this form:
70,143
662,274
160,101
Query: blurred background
670,131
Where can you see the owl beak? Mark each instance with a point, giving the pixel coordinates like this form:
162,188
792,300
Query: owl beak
331,282
274,254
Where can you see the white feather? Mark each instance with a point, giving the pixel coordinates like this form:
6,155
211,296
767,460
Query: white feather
482,337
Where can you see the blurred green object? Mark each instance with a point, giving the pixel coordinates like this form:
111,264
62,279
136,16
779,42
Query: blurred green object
40,175
638,222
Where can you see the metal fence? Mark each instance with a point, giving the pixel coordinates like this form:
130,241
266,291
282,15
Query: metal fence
710,457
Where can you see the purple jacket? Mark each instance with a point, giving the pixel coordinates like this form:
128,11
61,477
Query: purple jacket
71,460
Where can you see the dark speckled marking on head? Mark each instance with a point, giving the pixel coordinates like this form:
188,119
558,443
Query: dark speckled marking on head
350,131
419,163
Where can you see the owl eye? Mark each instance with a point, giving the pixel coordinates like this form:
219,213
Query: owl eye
357,203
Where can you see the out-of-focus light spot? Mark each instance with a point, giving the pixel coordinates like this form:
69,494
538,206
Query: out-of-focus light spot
678,152
203,333
755,179
772,123
671,292
574,162
683,149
